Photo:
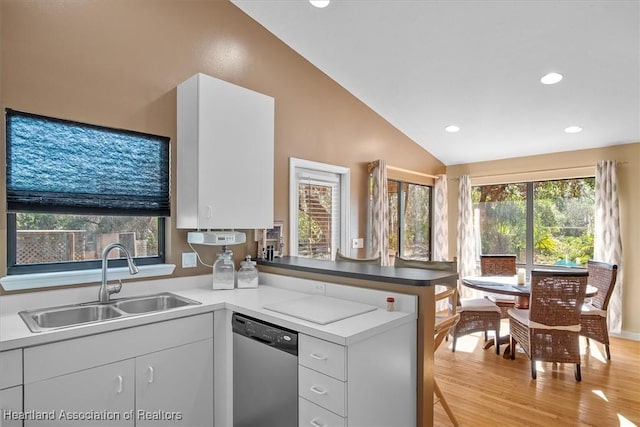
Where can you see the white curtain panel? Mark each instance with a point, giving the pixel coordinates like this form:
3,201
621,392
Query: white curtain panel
380,213
607,239
467,257
440,220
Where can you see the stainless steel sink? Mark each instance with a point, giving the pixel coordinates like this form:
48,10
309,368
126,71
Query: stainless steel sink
62,317
46,319
152,303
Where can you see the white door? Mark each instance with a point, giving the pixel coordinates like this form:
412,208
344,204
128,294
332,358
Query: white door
101,396
174,387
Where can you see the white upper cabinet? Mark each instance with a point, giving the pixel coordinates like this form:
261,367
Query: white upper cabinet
225,156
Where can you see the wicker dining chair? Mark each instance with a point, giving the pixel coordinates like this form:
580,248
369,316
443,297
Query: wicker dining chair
442,327
476,314
371,261
499,265
549,330
593,318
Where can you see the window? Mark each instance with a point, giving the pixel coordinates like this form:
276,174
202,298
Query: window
74,188
318,195
545,223
409,220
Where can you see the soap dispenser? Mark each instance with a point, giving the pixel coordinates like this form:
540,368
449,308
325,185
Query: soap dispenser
224,270
248,274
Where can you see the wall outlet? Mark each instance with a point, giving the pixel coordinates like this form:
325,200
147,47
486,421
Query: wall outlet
189,260
357,243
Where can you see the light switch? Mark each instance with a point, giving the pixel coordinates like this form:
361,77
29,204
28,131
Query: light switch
189,260
357,243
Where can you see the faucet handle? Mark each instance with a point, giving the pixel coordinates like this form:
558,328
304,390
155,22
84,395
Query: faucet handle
115,288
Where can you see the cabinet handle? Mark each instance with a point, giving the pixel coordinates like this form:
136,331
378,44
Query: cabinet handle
120,384
318,356
315,423
318,390
151,374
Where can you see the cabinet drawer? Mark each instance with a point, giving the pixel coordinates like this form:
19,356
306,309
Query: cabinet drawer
10,368
312,415
323,356
322,390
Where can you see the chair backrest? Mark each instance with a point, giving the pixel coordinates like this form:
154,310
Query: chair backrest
442,327
498,265
452,266
557,296
602,275
429,265
372,261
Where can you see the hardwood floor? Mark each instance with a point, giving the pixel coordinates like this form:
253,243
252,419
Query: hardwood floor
483,388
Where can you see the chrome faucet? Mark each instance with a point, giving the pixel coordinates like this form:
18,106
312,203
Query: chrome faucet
105,289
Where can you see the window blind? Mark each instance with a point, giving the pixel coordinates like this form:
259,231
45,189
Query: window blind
62,166
318,213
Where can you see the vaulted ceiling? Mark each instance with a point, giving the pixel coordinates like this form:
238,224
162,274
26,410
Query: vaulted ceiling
426,64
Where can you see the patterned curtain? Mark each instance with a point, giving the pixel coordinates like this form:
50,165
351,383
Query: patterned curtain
380,213
441,221
608,244
467,258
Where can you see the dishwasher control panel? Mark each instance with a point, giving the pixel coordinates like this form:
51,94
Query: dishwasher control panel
267,333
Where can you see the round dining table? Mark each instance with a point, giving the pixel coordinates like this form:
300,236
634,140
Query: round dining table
508,285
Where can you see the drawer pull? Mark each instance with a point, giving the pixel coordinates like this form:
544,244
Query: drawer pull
318,356
120,384
315,423
151,374
318,390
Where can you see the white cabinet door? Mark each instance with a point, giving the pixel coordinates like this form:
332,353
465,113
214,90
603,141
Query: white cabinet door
11,407
101,396
174,387
225,155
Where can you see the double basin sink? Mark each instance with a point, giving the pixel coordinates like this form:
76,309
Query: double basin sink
47,319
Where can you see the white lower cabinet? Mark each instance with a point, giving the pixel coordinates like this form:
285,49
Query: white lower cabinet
157,374
368,383
93,397
11,407
11,388
178,380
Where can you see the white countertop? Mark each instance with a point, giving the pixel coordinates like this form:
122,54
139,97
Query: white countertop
15,334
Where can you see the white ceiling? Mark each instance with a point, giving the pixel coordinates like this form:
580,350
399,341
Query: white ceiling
425,64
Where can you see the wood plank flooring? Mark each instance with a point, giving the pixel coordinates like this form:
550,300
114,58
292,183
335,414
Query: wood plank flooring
484,389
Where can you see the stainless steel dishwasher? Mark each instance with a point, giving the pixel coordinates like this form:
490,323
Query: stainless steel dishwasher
265,374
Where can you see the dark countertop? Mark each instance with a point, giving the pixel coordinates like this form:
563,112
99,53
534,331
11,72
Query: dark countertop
401,276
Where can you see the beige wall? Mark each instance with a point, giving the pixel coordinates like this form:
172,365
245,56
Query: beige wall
567,165
117,63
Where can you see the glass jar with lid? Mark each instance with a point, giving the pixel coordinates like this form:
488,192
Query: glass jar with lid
224,270
248,274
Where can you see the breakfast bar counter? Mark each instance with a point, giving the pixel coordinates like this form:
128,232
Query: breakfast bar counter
413,281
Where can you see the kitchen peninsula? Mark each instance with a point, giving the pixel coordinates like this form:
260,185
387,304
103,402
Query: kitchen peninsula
411,281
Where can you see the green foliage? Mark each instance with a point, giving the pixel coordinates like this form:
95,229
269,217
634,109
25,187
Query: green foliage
309,231
562,222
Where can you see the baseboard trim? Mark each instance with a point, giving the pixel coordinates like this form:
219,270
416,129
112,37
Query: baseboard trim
626,335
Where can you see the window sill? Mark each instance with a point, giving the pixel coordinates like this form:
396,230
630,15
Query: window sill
64,278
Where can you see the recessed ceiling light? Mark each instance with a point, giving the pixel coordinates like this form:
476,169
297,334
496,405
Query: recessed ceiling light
573,129
452,128
551,78
320,3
